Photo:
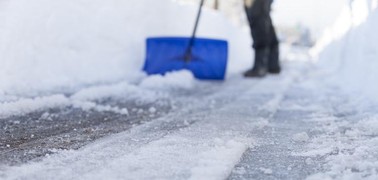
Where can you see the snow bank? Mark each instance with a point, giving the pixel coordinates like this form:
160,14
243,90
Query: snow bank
348,53
349,50
66,44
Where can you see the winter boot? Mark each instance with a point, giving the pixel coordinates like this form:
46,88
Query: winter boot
260,67
274,62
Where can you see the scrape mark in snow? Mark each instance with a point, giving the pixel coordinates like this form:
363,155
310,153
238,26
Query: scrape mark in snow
218,162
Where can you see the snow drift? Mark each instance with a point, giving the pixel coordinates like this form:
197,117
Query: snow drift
349,50
66,44
349,55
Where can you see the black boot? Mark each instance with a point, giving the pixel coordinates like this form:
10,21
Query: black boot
274,62
260,67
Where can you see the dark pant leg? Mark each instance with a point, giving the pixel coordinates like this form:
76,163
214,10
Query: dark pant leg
263,32
273,36
260,23
274,54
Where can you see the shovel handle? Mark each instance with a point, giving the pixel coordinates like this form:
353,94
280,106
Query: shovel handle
188,53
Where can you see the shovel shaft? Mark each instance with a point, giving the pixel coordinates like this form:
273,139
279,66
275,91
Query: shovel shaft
197,19
188,54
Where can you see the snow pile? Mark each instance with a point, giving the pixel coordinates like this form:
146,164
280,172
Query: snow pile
87,106
174,80
120,90
148,90
350,49
66,44
86,99
23,106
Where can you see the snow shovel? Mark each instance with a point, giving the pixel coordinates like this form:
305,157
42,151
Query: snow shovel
205,58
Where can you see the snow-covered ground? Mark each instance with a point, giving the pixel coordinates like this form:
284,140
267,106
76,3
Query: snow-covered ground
69,73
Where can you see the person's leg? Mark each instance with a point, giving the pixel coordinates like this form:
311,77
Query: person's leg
259,21
274,62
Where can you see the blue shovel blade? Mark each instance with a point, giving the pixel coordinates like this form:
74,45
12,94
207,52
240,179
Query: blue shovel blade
166,54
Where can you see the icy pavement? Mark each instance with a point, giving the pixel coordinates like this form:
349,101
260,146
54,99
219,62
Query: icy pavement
292,126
